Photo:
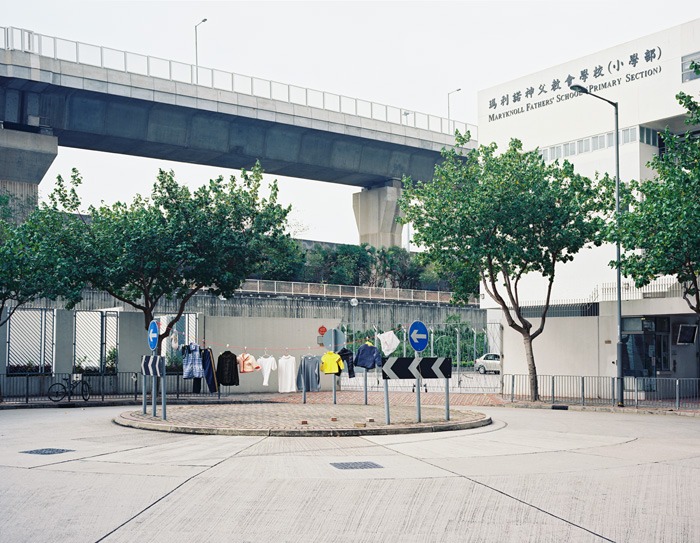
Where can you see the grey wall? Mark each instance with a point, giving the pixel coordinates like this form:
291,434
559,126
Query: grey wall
277,336
384,314
64,324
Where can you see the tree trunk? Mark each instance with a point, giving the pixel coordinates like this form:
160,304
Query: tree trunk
532,370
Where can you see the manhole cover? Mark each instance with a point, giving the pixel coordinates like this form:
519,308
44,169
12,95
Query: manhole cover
47,451
355,465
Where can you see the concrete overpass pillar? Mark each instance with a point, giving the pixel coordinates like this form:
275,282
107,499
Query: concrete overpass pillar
25,157
376,210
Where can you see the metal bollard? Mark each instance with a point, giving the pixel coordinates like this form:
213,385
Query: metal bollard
583,391
552,389
612,384
678,395
512,388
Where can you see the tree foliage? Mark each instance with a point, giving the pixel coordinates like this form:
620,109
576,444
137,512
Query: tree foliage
498,217
173,244
341,265
25,273
661,232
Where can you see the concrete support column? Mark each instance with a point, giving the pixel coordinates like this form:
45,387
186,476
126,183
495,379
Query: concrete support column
376,210
25,157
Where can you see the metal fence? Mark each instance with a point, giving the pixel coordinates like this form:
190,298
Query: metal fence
33,389
95,340
105,57
30,341
656,392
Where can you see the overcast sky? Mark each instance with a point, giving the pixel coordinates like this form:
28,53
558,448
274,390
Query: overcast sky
405,54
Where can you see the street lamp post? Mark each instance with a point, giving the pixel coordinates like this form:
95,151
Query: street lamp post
620,376
196,52
448,106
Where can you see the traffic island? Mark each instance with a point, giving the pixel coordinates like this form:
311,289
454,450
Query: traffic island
298,420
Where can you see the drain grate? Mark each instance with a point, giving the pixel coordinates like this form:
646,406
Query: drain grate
355,465
47,451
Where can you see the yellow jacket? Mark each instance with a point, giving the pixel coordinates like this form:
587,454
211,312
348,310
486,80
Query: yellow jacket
331,363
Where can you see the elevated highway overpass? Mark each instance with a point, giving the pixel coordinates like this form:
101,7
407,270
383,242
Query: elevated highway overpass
56,92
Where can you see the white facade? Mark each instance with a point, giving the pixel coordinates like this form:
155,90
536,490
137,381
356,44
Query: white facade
643,77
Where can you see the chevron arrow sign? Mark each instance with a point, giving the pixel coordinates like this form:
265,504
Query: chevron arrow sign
413,368
153,365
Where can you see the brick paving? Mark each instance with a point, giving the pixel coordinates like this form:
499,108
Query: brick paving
282,414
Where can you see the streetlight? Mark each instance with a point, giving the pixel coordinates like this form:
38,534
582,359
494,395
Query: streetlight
448,106
196,52
620,384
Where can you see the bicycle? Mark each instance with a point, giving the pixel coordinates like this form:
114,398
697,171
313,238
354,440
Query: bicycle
58,391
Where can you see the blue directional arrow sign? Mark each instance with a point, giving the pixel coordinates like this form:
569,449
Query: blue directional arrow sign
152,335
418,336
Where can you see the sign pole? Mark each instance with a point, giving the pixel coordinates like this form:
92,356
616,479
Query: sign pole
154,393
417,399
333,349
303,378
386,399
152,340
447,399
418,337
162,408
143,391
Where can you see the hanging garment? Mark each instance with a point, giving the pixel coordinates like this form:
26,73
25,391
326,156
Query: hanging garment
267,363
346,356
368,357
209,369
197,385
331,363
247,363
227,369
286,373
388,341
309,373
192,362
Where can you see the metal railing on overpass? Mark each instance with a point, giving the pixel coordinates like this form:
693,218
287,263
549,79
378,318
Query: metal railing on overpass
291,288
12,38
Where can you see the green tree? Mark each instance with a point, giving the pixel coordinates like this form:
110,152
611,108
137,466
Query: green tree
169,246
341,265
397,268
26,274
500,217
318,264
284,261
660,233
352,265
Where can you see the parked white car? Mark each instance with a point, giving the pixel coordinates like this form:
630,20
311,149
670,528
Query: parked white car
488,362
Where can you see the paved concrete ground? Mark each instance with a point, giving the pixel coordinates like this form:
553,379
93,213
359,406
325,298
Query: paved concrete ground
533,475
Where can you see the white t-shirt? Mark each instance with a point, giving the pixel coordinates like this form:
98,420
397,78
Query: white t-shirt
286,377
267,363
388,341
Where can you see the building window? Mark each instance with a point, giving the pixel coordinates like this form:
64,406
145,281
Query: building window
686,73
598,142
611,140
648,136
569,149
584,146
629,134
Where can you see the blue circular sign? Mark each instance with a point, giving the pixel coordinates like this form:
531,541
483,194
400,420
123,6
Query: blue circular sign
418,336
152,335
